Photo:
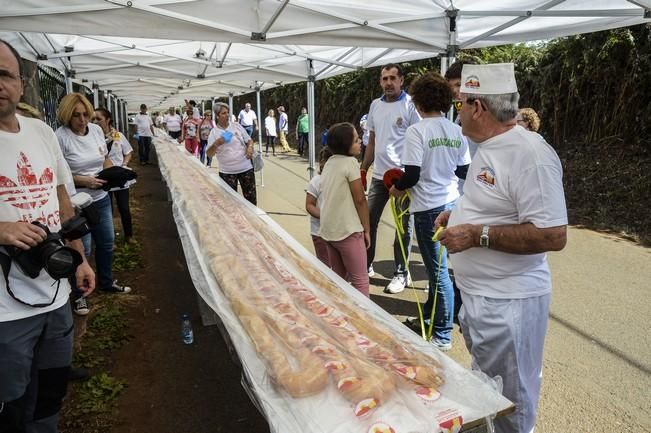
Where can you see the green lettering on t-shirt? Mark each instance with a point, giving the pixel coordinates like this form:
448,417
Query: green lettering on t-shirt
445,141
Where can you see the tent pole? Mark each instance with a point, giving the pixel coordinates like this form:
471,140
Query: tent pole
125,118
95,95
230,103
310,114
116,113
257,101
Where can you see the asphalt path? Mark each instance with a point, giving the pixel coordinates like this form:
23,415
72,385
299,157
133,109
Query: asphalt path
597,375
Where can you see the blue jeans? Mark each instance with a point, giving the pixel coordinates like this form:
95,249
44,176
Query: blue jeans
144,145
202,150
378,196
103,236
430,250
249,130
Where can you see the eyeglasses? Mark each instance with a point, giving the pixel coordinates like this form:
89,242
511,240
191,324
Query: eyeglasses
8,77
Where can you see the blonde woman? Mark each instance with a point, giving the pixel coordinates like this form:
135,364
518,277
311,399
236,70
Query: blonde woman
528,119
84,149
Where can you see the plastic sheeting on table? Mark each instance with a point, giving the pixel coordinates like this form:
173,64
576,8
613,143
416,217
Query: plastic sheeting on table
318,355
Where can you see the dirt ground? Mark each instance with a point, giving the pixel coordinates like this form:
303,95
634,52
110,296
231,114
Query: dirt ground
174,388
597,373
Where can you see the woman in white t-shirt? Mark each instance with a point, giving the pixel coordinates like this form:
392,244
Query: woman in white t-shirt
120,153
313,201
270,130
233,147
344,210
435,156
84,149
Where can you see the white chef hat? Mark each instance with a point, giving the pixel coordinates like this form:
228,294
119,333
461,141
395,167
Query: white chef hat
491,79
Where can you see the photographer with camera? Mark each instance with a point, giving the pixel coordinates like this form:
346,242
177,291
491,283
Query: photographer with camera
35,316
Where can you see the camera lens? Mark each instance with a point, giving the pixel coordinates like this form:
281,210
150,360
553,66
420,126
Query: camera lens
62,263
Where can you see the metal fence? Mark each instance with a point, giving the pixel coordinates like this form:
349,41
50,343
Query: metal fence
52,87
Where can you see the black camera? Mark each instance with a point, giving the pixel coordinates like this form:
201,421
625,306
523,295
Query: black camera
52,254
58,260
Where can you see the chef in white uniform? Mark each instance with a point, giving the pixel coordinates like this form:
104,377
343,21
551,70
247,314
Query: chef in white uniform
513,212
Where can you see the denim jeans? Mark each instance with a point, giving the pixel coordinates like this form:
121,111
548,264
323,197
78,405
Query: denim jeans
103,236
303,142
378,196
144,145
202,150
430,250
249,130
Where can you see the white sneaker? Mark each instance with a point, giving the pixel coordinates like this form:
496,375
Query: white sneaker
443,347
397,284
371,272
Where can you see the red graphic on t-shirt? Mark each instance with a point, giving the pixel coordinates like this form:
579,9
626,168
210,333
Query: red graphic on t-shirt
29,191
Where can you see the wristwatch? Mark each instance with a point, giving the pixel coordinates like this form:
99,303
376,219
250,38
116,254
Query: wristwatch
483,239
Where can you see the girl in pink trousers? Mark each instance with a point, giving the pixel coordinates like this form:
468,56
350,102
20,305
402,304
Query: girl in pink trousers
344,210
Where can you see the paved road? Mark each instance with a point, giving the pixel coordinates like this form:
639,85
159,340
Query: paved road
597,375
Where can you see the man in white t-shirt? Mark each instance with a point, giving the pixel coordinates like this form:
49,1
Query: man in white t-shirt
388,119
172,123
35,315
248,119
145,129
512,212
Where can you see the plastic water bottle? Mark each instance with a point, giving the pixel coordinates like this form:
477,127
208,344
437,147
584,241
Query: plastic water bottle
186,330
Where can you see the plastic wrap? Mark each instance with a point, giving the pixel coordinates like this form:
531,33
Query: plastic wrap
318,355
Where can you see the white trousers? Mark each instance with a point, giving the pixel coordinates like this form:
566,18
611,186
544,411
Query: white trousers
505,338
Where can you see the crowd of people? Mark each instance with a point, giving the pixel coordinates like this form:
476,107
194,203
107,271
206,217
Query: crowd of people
483,191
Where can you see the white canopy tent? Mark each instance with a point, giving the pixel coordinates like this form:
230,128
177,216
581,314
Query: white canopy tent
160,52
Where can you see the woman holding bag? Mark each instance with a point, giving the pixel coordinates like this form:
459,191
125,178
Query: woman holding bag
233,147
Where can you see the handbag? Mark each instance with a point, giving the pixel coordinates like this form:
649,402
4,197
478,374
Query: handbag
258,162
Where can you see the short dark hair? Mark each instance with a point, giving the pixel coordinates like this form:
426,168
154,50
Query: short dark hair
454,71
340,138
391,66
106,113
431,92
143,107
192,103
19,59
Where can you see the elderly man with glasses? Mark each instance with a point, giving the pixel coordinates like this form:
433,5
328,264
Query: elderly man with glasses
512,212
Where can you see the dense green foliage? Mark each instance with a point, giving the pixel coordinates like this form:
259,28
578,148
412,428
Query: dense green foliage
592,92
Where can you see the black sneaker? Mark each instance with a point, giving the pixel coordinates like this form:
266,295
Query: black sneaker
80,306
116,288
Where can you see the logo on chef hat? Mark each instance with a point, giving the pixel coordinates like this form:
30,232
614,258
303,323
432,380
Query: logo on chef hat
380,427
473,82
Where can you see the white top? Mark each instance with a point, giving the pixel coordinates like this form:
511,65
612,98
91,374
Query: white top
196,113
437,146
143,124
389,121
515,178
283,123
246,118
339,218
119,149
231,156
159,120
314,189
84,154
31,168
270,125
173,122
